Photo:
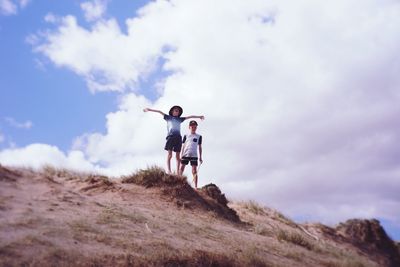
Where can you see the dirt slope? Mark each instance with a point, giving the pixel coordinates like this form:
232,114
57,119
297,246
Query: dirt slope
57,217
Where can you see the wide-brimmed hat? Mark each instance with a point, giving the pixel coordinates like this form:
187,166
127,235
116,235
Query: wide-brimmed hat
178,107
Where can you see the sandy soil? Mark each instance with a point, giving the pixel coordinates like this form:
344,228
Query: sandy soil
61,218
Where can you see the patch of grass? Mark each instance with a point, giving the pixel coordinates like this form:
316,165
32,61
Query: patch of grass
14,248
346,263
82,226
282,218
171,259
14,253
56,256
7,252
127,243
31,240
299,257
50,172
111,215
294,238
3,201
83,231
344,257
153,176
28,222
262,230
254,207
165,255
251,257
160,250
94,178
104,238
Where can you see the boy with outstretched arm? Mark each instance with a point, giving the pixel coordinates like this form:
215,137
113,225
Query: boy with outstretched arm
191,143
174,138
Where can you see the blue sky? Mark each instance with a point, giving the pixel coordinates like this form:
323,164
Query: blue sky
312,87
55,100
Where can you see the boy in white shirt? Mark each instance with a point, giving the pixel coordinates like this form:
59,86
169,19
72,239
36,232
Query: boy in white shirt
191,142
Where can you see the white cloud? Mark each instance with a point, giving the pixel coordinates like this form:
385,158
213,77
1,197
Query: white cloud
24,3
38,155
94,9
104,56
301,99
51,18
22,125
8,7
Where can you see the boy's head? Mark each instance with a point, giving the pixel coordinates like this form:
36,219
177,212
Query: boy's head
193,126
176,111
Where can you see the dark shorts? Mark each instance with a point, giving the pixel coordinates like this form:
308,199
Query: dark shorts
174,143
193,161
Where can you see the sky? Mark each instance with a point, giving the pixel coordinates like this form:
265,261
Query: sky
300,98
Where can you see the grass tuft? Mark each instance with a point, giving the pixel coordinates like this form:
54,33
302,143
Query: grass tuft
294,238
112,215
92,178
346,263
262,230
50,172
254,207
153,176
282,218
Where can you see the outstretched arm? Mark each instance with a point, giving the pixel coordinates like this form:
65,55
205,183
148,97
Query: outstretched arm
154,110
195,117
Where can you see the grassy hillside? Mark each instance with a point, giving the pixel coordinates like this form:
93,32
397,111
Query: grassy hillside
57,217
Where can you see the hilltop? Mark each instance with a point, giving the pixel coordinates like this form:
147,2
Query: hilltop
58,217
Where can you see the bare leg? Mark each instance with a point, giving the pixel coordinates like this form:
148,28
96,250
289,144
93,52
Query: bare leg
182,169
195,177
169,156
178,161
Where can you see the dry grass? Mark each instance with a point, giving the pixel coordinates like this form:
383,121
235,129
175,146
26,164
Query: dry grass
83,230
260,229
296,255
126,225
16,249
27,222
294,238
86,232
198,258
94,178
251,256
30,240
4,200
282,218
254,207
82,226
114,215
345,263
153,176
50,172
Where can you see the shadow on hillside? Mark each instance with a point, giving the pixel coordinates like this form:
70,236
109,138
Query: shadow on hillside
8,175
177,189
